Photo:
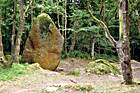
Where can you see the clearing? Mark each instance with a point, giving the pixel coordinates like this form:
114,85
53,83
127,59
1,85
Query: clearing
64,81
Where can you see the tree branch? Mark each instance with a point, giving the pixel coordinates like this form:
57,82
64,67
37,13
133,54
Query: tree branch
107,33
28,7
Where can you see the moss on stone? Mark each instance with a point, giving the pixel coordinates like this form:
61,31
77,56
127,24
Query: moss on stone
44,21
101,66
44,16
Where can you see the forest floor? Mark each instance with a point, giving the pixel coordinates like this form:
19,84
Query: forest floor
64,81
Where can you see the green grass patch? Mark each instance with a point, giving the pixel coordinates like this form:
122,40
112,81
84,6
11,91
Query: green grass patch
74,72
15,71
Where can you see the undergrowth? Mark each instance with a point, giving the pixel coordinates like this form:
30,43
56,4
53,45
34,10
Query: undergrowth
87,56
77,54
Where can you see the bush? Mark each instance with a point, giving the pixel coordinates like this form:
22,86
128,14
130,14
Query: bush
101,66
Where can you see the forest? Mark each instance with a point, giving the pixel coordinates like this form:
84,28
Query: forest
65,46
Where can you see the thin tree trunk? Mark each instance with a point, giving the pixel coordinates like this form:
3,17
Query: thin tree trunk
32,11
19,34
102,10
14,29
1,44
65,27
58,17
93,49
73,42
2,58
123,46
138,25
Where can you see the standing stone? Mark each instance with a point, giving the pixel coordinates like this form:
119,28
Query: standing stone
44,44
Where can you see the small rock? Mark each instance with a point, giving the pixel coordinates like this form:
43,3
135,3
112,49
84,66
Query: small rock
51,89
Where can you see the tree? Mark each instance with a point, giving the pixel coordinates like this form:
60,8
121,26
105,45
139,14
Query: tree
65,26
122,46
2,58
1,44
18,39
13,33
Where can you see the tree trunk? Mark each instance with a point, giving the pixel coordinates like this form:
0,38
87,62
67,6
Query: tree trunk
58,17
65,27
123,47
2,58
1,45
19,34
73,42
32,11
102,10
93,47
138,22
13,32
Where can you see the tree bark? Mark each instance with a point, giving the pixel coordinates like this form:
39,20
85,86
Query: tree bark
19,33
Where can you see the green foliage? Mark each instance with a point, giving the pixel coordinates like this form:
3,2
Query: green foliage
15,71
101,66
77,54
107,57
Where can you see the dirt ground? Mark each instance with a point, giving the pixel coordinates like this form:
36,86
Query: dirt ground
42,79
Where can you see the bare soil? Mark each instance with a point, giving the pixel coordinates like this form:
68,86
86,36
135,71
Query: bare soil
41,79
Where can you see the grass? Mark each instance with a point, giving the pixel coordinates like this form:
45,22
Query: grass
15,71
74,72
